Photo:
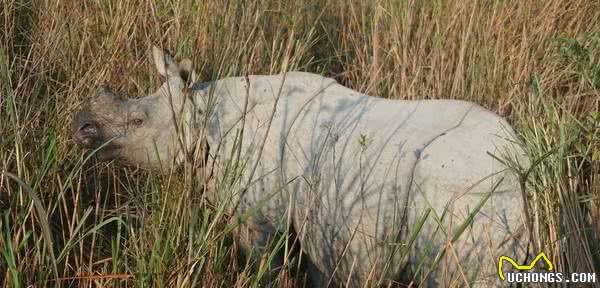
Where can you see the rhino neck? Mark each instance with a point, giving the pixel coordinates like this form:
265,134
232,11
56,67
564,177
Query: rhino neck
219,108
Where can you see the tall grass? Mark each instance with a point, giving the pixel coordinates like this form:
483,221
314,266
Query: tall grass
69,221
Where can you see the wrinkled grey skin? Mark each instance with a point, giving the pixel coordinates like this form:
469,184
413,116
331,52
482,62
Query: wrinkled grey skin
353,175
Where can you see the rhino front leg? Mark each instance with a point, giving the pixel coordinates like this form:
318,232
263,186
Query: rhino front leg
314,277
255,238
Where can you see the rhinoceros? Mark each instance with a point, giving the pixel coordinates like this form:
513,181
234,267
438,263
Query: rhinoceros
373,188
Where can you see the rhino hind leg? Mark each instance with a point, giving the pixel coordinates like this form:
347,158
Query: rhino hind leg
476,193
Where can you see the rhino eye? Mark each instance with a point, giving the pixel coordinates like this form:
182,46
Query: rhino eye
137,122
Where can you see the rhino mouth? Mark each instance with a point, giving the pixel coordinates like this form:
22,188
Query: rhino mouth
108,152
102,149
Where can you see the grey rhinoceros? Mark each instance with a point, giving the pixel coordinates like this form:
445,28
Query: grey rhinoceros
372,187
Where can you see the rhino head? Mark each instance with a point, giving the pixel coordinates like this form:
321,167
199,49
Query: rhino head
146,131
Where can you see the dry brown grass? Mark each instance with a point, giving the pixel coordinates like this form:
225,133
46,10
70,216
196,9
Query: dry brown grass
538,62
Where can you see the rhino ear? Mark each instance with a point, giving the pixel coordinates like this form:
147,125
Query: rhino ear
164,62
187,72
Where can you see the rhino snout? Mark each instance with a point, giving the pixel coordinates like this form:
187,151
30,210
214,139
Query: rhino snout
86,133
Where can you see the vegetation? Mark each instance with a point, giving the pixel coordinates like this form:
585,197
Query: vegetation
67,220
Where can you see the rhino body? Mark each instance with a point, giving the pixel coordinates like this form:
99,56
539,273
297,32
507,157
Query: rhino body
352,175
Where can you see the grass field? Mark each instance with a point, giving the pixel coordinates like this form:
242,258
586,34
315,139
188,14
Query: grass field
71,222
